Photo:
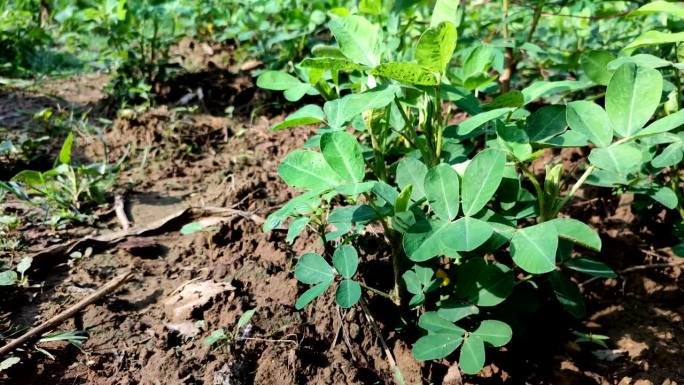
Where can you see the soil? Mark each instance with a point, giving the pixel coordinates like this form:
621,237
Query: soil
150,331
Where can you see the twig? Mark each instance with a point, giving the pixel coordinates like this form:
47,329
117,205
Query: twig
376,291
345,337
65,315
121,213
268,340
637,268
109,239
390,358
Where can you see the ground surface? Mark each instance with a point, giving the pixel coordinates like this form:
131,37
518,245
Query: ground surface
148,332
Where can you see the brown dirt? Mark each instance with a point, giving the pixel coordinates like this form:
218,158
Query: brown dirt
178,160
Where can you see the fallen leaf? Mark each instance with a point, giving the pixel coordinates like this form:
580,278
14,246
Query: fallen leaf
195,295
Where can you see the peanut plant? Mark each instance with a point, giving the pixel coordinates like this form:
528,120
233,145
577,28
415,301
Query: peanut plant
466,219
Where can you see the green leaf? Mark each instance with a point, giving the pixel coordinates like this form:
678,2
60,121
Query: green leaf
468,233
472,123
406,72
301,204
657,7
277,81
641,60
577,232
343,154
323,51
309,114
8,278
445,10
483,283
412,172
215,336
65,151
534,248
244,319
354,214
567,139
358,39
495,333
29,177
472,356
666,197
308,170
513,99
191,228
295,93
442,190
665,124
514,140
412,283
373,7
454,312
340,111
296,228
481,180
678,249
427,239
332,64
436,47
435,346
403,199
568,294
435,324
354,189
546,123
544,88
622,159
24,265
590,267
346,260
312,293
311,269
632,97
590,120
671,155
595,65
348,293
651,38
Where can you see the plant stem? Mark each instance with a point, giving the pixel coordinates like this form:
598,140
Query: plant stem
535,20
505,77
440,121
538,189
395,245
674,184
399,378
574,189
376,291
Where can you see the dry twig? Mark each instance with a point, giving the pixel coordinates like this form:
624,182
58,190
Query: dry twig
66,314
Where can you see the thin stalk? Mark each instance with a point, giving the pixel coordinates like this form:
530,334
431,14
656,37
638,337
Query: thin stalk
678,85
574,189
505,77
379,156
376,291
535,19
398,377
538,190
396,247
674,184
440,125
